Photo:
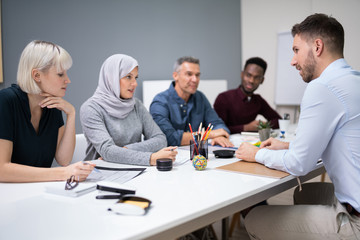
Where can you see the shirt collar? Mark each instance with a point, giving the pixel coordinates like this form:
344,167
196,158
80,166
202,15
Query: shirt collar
339,63
174,95
23,97
242,95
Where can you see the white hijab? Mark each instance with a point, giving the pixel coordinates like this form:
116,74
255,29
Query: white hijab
107,94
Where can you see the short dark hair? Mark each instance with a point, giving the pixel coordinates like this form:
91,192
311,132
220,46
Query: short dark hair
258,61
185,59
322,26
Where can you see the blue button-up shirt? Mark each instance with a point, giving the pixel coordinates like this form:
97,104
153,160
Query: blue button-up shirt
173,114
329,128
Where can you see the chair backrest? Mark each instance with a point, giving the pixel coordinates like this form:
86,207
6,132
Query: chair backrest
315,193
79,152
211,89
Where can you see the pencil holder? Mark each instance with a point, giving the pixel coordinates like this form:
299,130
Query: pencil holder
199,162
199,148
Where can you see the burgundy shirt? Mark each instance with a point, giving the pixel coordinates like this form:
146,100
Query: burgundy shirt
234,108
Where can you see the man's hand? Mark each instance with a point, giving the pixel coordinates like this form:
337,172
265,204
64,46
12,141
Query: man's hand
218,133
222,141
247,152
251,126
274,144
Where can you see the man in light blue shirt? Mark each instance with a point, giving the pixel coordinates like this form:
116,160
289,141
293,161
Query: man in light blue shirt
182,104
329,128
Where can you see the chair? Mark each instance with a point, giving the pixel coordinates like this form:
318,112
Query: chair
315,193
234,221
79,152
323,176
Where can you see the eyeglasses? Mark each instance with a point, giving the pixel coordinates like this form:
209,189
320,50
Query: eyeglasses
71,183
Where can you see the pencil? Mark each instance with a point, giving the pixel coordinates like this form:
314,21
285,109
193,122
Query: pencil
206,132
207,135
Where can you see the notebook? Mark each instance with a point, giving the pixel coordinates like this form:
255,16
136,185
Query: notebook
253,168
59,189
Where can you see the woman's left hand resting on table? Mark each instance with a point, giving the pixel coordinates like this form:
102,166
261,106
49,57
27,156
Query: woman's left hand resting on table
168,152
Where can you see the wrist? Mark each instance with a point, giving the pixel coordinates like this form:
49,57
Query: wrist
71,114
63,175
153,159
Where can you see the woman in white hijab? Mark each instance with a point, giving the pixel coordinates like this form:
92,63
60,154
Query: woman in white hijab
113,120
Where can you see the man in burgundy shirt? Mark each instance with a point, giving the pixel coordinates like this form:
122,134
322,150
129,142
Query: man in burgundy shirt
239,107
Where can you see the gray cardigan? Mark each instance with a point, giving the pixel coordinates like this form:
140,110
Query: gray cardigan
107,136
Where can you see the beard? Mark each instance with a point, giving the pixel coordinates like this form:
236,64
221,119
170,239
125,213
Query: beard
308,69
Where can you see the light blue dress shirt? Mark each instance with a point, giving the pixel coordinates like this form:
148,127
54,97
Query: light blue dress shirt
173,114
329,128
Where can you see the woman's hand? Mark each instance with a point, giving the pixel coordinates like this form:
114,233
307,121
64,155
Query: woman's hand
168,152
57,102
80,170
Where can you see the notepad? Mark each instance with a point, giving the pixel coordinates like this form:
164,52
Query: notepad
253,168
59,189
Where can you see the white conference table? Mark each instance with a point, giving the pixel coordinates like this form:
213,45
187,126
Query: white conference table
183,200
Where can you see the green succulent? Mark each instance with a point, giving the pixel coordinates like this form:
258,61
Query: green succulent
264,125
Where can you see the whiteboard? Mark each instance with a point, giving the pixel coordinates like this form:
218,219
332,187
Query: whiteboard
289,85
211,89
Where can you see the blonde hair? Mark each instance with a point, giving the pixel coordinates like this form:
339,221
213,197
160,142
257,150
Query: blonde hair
40,55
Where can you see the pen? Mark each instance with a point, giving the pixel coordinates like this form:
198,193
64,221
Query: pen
117,196
95,169
195,145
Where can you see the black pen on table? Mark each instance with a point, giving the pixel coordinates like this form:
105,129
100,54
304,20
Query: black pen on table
116,196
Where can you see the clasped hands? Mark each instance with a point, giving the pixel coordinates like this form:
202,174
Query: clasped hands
247,151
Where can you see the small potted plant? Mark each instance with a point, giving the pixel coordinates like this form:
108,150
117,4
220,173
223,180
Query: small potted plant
264,129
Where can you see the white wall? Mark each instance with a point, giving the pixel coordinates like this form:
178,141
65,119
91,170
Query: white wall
261,20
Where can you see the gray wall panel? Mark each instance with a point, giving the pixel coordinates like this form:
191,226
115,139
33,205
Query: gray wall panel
155,32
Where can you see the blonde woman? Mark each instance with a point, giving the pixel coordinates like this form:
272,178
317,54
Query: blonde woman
32,130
